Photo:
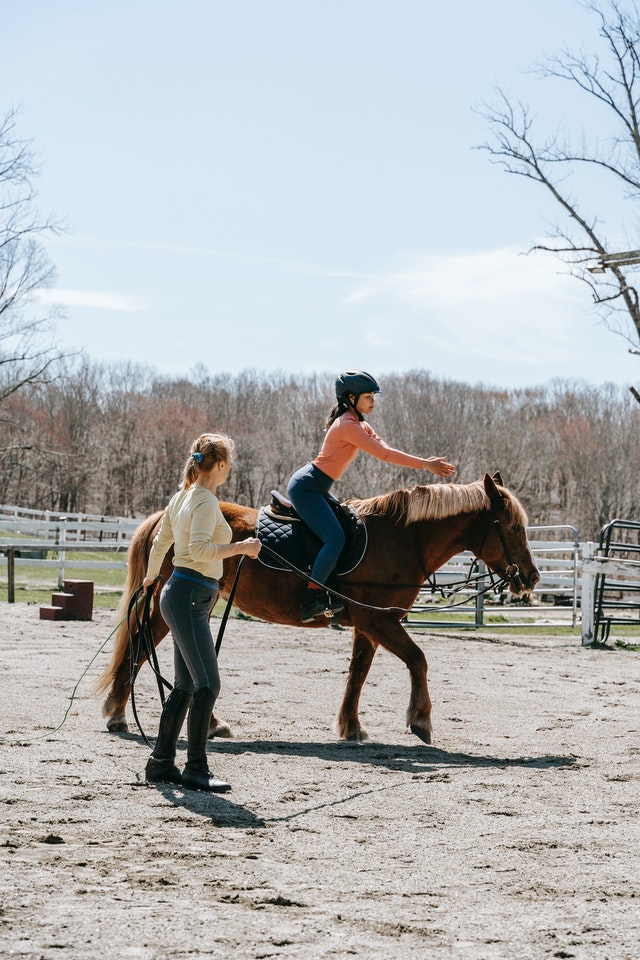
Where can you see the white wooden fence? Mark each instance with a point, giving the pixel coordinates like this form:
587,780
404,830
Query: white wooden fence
48,525
569,571
28,537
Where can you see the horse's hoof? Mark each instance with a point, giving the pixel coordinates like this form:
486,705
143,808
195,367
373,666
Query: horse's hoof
354,734
117,725
220,729
421,732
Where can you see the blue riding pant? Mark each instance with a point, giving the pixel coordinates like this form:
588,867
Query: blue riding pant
186,602
309,492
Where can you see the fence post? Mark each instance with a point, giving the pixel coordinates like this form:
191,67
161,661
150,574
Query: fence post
62,536
588,594
480,597
11,575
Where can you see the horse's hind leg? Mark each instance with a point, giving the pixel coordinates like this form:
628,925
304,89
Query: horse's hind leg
114,706
362,653
219,728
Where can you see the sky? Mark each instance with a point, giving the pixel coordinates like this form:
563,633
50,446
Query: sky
295,185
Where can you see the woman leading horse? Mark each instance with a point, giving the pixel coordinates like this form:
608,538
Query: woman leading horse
411,534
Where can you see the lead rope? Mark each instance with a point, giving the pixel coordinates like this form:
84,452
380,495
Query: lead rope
227,609
495,585
145,644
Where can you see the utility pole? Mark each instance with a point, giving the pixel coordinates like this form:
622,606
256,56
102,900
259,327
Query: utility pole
626,259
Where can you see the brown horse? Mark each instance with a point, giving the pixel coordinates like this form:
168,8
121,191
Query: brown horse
410,534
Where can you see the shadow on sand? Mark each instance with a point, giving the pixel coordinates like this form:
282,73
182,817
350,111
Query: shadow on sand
411,760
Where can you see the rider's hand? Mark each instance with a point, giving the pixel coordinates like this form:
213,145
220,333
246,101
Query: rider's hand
440,466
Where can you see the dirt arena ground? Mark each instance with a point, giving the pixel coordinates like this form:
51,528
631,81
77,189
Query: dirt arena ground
514,836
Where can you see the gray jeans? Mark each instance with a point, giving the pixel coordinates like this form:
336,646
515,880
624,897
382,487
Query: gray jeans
186,602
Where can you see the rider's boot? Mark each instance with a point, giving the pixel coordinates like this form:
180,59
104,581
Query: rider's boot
161,767
196,774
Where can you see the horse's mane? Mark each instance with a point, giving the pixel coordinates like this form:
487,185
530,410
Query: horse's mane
437,501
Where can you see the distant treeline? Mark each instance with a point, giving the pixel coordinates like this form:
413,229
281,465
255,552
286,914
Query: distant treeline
113,439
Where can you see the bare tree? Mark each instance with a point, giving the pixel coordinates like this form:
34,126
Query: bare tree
27,349
609,79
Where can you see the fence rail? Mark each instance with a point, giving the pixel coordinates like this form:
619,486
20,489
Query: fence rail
46,524
29,537
11,561
611,574
599,580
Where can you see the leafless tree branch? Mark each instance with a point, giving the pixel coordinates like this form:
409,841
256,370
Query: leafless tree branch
28,352
611,77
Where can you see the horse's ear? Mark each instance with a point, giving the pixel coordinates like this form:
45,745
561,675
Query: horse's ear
498,478
495,497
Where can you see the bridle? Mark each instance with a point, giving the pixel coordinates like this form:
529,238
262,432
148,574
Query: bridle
473,577
512,570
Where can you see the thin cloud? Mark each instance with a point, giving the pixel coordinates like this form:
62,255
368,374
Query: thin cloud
497,304
494,276
97,300
275,263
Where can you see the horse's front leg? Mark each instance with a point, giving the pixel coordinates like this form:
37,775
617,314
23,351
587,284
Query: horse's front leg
362,653
391,635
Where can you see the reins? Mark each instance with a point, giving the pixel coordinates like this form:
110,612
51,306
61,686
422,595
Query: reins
495,584
144,645
512,571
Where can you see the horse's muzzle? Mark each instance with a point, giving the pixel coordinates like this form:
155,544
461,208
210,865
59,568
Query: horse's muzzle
519,582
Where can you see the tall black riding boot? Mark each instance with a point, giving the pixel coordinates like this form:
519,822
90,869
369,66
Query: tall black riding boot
160,765
196,774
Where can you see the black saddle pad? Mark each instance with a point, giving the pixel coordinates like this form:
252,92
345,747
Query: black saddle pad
290,542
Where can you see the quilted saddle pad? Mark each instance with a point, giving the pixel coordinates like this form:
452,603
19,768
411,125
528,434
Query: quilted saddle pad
290,543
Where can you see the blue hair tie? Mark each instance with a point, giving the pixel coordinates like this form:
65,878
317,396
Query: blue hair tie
197,457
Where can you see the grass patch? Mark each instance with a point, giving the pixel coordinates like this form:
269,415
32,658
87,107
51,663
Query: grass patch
622,645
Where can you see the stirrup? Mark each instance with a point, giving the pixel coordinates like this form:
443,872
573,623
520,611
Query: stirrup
316,606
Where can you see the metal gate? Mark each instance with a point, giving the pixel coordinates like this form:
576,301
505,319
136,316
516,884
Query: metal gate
611,580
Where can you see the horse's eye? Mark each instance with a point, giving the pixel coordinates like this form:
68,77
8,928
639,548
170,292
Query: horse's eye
516,528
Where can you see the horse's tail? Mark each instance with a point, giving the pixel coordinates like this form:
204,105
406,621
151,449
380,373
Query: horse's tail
137,556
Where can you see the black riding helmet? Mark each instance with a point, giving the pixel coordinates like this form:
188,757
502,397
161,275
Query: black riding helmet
355,381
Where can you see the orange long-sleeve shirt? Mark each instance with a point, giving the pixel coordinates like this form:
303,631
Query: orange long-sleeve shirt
346,436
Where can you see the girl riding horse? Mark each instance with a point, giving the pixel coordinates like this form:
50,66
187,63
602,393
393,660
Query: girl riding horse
309,487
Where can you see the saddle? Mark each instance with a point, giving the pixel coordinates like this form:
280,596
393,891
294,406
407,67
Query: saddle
290,542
